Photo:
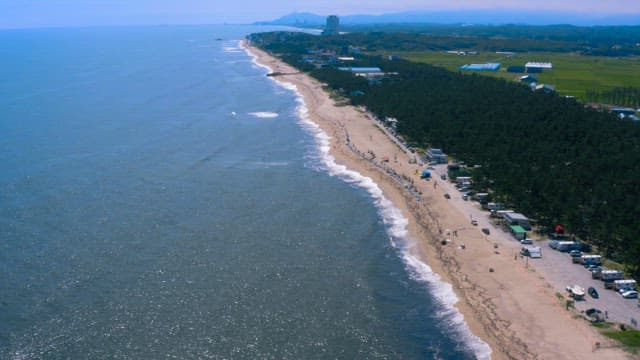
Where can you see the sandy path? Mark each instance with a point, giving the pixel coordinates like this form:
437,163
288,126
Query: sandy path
511,308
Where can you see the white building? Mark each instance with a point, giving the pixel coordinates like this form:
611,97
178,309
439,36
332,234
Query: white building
539,65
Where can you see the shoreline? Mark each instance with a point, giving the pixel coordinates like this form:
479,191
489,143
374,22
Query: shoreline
530,323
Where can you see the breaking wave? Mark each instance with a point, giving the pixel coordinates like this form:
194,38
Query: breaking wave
264,114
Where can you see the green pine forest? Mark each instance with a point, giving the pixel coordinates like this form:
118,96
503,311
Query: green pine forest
545,155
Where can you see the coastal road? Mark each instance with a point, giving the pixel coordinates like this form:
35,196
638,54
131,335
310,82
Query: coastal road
559,271
555,266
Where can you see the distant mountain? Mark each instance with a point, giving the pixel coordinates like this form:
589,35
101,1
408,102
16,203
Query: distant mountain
494,17
297,19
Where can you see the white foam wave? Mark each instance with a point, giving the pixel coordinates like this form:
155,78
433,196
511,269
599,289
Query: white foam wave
264,114
444,293
254,58
232,49
396,225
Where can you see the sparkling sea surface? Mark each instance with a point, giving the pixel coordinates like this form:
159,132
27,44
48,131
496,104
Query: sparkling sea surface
161,198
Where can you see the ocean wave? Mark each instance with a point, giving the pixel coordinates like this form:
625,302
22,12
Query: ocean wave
396,226
264,114
231,49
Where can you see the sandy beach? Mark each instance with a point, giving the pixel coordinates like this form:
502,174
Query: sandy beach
506,303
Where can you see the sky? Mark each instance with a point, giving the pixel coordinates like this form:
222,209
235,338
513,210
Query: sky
62,13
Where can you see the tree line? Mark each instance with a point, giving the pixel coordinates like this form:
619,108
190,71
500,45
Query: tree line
625,96
589,40
546,155
601,41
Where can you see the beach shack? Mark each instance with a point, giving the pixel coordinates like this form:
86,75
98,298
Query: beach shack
566,246
518,232
589,260
609,276
499,213
627,284
514,218
495,206
534,252
482,198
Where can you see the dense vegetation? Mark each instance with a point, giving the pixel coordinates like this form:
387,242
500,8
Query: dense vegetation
595,40
547,155
592,40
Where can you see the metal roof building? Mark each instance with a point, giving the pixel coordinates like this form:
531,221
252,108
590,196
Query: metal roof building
481,67
361,70
539,65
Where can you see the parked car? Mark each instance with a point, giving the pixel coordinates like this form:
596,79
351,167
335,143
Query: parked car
526,241
465,197
474,222
595,315
631,294
443,177
575,253
592,291
486,231
447,196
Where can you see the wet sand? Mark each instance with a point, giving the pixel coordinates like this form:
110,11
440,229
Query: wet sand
505,303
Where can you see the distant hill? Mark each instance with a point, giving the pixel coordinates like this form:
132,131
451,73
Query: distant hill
297,19
464,17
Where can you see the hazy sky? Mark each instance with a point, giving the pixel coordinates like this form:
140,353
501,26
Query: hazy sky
36,13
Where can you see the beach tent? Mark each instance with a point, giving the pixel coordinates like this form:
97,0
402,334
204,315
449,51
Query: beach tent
426,174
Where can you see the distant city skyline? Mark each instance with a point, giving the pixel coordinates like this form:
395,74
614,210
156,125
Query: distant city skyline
60,13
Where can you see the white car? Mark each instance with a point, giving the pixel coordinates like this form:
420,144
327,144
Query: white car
526,241
631,294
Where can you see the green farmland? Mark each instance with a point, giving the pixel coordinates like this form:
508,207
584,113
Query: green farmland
572,74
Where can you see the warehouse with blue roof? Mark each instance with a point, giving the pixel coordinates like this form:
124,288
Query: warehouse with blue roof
481,67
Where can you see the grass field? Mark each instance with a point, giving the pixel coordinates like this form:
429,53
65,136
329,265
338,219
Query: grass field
572,74
630,339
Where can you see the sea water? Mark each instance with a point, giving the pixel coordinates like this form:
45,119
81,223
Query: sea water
160,197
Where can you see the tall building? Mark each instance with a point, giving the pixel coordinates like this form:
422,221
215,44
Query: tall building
333,23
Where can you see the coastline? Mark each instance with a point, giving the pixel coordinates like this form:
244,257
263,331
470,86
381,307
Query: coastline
529,323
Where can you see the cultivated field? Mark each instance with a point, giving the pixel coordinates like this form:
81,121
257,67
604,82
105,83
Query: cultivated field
572,74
